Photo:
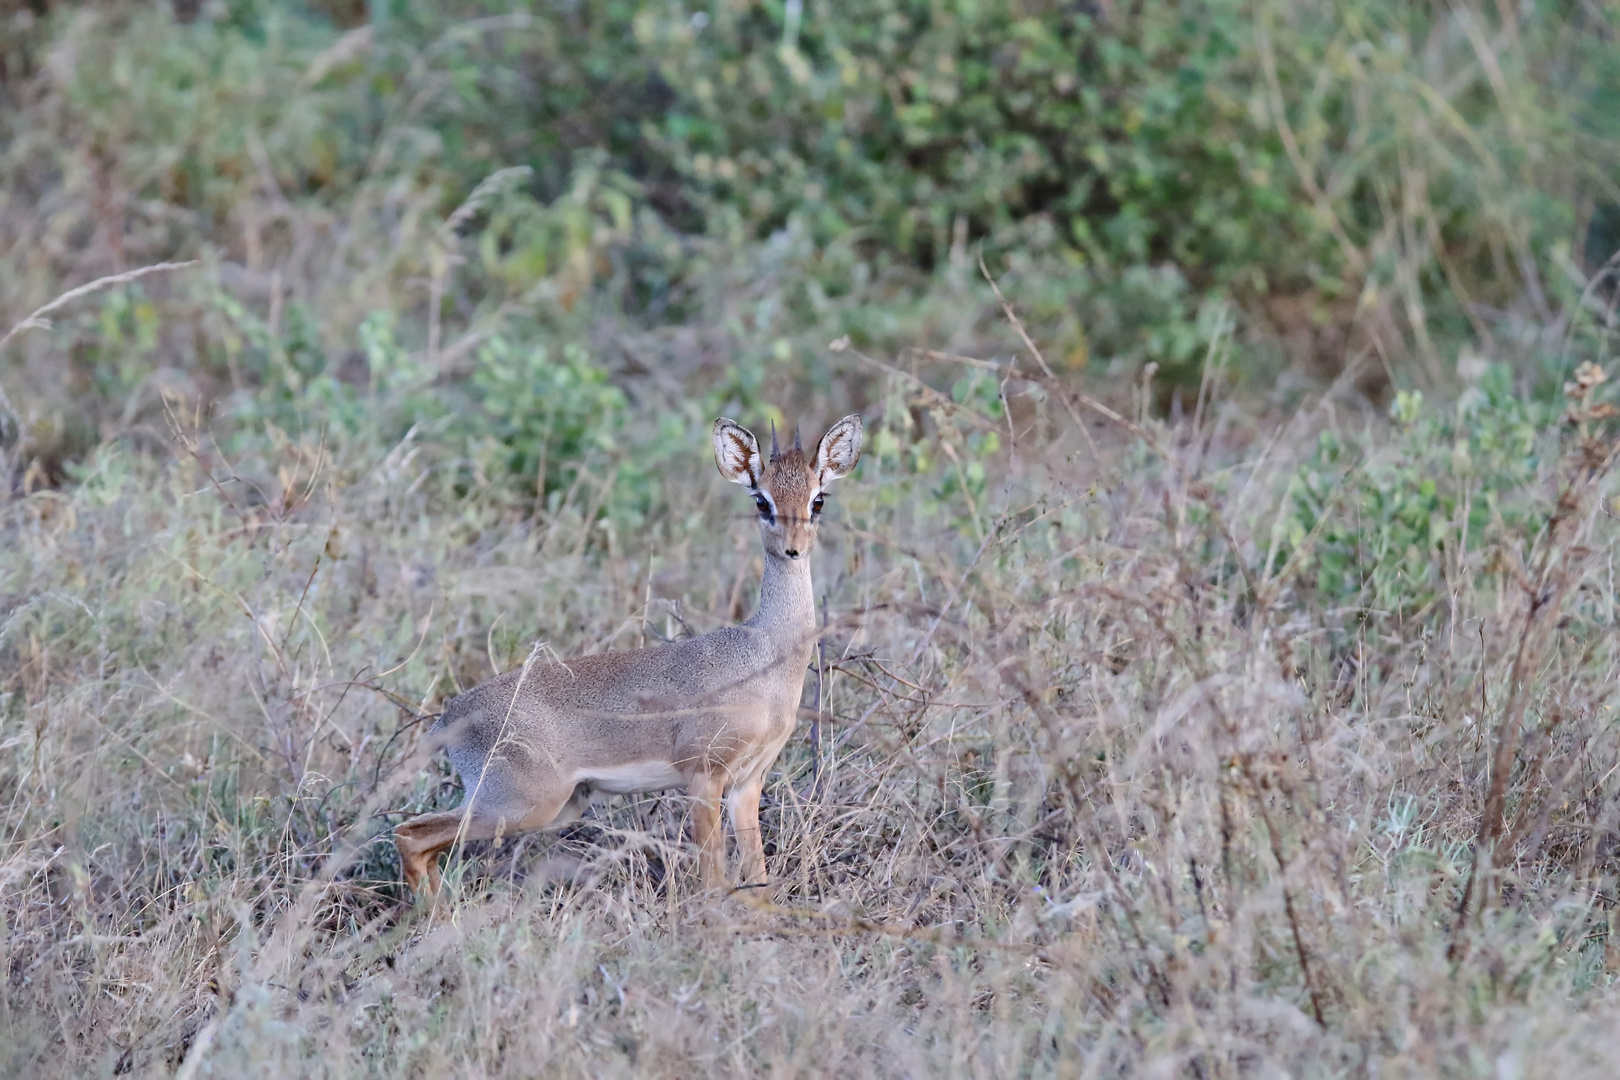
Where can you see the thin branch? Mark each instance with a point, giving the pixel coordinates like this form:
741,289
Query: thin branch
38,321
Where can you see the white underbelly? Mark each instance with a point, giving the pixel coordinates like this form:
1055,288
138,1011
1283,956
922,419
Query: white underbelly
631,778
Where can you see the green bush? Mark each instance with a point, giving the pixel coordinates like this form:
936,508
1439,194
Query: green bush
1360,153
543,415
905,120
1386,529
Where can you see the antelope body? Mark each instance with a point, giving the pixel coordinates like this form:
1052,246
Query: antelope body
709,714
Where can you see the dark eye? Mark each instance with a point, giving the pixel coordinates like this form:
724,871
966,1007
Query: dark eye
764,505
815,505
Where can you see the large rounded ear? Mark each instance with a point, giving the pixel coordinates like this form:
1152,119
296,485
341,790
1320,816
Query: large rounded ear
737,454
839,450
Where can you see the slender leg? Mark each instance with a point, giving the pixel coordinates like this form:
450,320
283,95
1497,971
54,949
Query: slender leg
744,807
421,839
705,790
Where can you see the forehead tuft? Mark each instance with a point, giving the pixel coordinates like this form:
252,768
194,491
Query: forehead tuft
788,475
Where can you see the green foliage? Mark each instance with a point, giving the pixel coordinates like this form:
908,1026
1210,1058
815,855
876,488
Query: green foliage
1132,166
909,119
1389,527
542,417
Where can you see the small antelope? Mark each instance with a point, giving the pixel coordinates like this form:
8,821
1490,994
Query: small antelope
709,714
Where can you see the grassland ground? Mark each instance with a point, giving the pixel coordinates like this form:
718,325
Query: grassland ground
1107,784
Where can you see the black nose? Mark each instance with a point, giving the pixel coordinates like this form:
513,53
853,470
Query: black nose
790,553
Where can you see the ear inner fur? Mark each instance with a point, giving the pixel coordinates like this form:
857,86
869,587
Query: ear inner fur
736,453
839,450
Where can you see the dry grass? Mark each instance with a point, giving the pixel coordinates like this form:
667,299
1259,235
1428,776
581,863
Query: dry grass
1108,784
1103,791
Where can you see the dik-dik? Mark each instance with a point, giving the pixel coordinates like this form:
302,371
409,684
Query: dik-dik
708,714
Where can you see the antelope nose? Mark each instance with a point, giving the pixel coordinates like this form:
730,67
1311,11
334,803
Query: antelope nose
790,553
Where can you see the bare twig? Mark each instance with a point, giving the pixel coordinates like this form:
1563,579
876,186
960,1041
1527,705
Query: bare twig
38,321
1558,567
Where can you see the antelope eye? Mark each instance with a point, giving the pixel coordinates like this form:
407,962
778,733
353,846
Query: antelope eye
763,504
815,504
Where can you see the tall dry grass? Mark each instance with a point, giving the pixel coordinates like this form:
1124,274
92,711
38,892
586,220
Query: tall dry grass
1103,788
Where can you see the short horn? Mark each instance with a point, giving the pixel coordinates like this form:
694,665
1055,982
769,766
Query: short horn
796,445
775,452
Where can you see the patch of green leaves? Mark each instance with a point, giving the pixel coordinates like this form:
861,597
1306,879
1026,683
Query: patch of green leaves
1392,520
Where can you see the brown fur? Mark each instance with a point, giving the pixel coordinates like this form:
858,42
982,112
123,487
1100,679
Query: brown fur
710,713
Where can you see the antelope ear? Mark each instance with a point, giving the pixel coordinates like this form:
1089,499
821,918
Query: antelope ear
737,454
839,450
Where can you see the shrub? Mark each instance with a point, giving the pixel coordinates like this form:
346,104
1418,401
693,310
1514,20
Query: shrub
1425,178
1387,530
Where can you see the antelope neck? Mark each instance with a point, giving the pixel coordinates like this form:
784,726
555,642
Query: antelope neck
786,599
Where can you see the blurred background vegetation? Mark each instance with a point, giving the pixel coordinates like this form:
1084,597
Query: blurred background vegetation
656,199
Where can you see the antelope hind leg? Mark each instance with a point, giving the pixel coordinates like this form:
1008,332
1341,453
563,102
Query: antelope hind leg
422,838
